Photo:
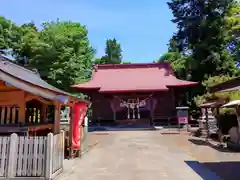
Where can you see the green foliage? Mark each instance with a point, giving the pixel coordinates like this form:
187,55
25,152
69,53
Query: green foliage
218,96
65,52
126,62
233,19
205,47
178,63
24,48
202,33
233,24
79,95
9,33
99,61
113,52
214,80
60,51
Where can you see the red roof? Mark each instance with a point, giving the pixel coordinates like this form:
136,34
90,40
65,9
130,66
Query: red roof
132,78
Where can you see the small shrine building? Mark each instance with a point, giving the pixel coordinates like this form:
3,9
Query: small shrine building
139,93
28,104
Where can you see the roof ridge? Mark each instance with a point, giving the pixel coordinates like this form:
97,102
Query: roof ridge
9,61
134,65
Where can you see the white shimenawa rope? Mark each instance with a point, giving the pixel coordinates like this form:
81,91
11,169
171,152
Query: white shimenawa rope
133,104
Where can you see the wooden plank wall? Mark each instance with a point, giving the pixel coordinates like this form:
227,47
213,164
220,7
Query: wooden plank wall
11,104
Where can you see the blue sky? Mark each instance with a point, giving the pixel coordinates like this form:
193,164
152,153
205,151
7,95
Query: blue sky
142,27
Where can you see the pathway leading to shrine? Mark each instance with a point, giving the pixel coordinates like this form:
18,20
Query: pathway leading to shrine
137,155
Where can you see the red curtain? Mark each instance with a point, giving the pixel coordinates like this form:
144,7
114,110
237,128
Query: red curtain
79,111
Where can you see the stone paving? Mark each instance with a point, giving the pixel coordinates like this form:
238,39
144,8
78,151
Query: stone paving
138,155
224,163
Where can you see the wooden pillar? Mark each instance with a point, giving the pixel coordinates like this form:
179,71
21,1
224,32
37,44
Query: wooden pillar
114,115
238,121
173,99
57,118
22,112
153,106
44,112
70,132
152,116
206,114
113,109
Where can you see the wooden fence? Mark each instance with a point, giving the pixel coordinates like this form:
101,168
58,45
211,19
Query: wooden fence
36,157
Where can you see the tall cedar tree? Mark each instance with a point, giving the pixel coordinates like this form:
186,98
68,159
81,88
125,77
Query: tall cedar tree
202,34
113,52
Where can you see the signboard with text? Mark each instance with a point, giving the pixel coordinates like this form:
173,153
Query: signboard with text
182,115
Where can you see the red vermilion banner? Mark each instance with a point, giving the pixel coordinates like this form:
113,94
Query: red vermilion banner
79,111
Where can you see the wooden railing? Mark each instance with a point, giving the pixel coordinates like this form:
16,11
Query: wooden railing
9,114
37,157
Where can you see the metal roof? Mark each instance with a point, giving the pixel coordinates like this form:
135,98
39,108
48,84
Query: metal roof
133,77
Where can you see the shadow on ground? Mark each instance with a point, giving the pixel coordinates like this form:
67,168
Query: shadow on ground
216,170
170,133
201,142
121,128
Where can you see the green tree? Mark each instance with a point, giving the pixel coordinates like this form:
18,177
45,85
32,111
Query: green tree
178,63
99,61
9,34
233,25
126,62
24,48
202,34
64,55
113,52
60,51
233,19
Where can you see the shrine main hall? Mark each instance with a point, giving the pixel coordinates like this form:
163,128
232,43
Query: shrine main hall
133,93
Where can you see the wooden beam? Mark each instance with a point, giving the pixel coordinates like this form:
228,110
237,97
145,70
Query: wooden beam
30,97
40,127
73,101
57,117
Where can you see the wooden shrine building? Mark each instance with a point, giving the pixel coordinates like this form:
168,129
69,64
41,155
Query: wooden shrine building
136,93
27,103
